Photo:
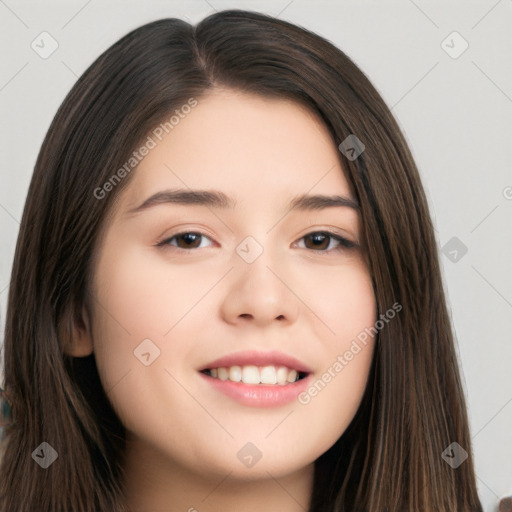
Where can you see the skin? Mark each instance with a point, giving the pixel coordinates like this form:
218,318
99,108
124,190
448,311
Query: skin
199,304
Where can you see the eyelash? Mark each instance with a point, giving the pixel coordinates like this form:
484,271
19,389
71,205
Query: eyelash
344,244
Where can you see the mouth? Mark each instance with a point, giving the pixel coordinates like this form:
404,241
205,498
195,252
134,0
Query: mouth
253,375
258,379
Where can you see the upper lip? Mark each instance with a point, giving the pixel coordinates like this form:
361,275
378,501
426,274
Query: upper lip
258,358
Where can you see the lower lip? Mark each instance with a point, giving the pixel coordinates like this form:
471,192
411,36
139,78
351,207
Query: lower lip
259,395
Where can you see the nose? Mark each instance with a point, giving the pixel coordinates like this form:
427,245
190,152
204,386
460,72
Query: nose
260,293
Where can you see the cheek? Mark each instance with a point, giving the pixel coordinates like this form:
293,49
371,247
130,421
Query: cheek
347,306
138,306
344,300
144,294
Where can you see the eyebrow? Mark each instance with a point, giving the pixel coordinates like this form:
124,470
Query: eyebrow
217,199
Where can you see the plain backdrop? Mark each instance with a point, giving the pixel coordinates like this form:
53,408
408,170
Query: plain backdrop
443,68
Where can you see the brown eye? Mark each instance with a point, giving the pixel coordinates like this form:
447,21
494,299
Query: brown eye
320,241
190,240
185,240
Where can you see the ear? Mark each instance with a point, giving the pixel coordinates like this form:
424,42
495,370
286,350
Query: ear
76,334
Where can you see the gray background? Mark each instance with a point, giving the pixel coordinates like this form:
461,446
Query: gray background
455,110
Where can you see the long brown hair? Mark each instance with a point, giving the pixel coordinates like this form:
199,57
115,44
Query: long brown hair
390,457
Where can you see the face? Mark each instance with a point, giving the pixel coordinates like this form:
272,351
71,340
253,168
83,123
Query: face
195,294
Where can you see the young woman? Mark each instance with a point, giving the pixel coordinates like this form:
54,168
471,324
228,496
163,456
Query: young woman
226,291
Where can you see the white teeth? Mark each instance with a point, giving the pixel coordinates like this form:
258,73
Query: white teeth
268,375
282,375
292,376
235,373
251,374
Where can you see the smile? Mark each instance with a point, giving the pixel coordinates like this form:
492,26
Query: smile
255,375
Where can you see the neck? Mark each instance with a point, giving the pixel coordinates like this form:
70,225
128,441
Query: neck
153,482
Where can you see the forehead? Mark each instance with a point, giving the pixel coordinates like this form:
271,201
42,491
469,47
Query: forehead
252,148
